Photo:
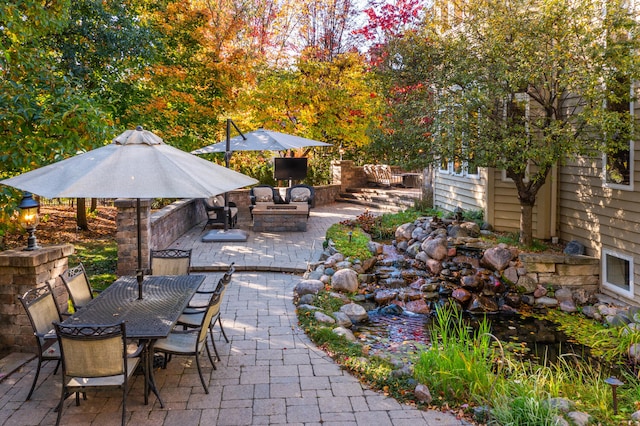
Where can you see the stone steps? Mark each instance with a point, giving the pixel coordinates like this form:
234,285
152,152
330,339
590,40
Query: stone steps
385,199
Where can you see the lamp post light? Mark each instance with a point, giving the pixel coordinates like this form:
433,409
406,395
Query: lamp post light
29,219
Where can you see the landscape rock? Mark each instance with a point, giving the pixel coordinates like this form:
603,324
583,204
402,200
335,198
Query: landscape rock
423,394
435,248
307,299
418,307
355,312
579,418
323,318
546,302
574,248
403,232
497,258
308,287
342,320
348,334
345,280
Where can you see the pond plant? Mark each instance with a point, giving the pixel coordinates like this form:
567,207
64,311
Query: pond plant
472,372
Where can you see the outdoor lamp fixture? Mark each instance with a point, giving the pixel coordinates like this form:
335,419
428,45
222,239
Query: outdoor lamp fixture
29,219
614,383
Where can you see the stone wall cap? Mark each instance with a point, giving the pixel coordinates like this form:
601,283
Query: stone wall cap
558,258
20,257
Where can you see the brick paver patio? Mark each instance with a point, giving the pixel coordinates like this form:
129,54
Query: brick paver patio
269,373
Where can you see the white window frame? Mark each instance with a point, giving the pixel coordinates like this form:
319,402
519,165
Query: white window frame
620,186
614,287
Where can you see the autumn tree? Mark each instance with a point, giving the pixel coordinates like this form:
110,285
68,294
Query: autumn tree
391,32
523,85
45,115
327,27
334,102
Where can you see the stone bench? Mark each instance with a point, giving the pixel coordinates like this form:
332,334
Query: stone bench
280,217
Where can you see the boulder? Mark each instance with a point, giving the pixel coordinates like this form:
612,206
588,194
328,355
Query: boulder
307,299
423,394
480,304
497,258
403,232
461,295
345,280
568,306
579,418
342,319
511,274
355,312
383,296
546,302
433,266
308,287
435,248
540,291
526,284
574,248
348,334
563,295
375,248
323,318
634,353
418,307
471,228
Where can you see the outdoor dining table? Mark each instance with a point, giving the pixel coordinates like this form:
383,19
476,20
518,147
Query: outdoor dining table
147,319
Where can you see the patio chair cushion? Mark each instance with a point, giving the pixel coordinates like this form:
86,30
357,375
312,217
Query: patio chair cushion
217,201
263,195
300,195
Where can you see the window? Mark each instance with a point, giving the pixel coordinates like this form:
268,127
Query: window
618,165
617,272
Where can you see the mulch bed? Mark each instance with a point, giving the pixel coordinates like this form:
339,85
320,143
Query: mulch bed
58,225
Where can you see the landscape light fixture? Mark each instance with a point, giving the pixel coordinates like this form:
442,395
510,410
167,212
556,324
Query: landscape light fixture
29,219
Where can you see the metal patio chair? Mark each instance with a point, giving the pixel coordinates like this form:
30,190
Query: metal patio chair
95,357
76,281
42,311
192,341
170,261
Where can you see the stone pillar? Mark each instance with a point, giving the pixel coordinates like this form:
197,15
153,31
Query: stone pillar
127,234
345,174
340,173
20,271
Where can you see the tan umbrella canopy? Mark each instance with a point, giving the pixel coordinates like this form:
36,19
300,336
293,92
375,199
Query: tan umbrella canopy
136,164
261,140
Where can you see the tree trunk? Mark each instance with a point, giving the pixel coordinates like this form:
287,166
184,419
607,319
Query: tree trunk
81,215
526,224
94,205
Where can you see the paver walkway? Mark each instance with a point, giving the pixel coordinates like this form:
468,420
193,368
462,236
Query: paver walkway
269,373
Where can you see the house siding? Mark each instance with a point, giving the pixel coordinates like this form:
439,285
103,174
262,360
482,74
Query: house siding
496,197
598,216
452,191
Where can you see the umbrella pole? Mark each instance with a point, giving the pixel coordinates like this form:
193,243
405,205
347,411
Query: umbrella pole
139,271
227,158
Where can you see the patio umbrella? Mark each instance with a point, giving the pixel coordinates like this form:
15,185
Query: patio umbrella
261,140
136,164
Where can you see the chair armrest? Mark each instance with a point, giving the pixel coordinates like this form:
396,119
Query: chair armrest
194,310
187,331
136,353
51,335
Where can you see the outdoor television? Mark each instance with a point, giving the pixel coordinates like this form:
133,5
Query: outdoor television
289,168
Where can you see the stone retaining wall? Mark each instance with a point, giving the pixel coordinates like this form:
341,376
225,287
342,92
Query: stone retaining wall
21,271
161,228
563,271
